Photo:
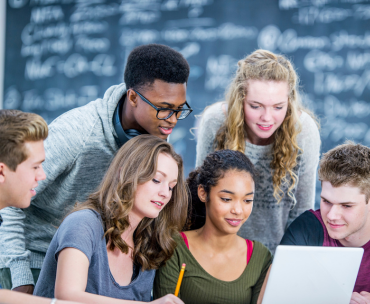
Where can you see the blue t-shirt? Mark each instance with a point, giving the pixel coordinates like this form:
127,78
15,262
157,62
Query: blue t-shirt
83,230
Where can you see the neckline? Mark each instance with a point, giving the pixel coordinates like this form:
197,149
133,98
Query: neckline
115,283
211,276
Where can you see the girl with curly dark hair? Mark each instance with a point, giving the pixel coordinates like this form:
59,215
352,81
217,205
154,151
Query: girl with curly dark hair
221,267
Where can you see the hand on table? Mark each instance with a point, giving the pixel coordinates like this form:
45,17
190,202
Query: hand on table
360,298
25,289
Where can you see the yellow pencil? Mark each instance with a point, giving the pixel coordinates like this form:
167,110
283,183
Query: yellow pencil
180,279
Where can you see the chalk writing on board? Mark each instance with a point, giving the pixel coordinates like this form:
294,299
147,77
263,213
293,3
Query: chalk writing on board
218,71
76,64
334,83
52,99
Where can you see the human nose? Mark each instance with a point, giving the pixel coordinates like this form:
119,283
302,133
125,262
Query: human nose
237,208
334,212
173,119
40,174
266,114
165,191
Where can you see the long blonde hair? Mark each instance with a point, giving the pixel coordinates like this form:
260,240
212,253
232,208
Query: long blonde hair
265,65
136,163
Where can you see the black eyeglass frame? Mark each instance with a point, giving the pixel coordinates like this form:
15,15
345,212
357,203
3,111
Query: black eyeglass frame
189,109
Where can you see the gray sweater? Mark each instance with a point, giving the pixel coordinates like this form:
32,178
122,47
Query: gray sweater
269,220
79,149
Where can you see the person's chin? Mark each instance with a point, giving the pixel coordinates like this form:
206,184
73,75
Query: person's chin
22,205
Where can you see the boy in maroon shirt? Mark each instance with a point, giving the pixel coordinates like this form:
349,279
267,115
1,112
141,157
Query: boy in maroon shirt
343,219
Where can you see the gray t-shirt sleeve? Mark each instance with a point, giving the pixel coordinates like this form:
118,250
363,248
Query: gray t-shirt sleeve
80,230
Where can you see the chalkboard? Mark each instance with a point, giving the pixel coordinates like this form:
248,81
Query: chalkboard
61,54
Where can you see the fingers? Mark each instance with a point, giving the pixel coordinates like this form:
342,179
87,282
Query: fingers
360,298
169,299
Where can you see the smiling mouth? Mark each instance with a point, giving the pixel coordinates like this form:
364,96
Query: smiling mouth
234,222
335,226
166,130
264,127
158,204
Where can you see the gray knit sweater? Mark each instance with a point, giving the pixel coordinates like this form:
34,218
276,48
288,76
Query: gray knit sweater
79,149
269,220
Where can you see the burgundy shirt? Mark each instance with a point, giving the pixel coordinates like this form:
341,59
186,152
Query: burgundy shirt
363,276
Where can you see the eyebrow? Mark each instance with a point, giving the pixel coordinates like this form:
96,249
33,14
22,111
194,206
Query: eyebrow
170,105
39,162
165,175
275,104
230,192
342,203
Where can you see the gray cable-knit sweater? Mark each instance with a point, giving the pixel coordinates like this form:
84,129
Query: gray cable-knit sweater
269,220
79,149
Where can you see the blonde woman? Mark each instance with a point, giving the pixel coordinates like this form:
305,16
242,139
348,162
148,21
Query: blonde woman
263,118
108,248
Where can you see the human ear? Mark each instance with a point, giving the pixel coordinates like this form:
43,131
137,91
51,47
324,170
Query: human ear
202,194
3,168
132,97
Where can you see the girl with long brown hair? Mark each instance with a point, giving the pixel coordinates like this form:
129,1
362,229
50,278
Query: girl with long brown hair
108,248
263,117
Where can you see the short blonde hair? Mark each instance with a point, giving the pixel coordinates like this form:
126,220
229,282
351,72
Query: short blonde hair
347,164
16,128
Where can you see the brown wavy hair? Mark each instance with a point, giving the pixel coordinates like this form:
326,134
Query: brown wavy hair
134,164
265,65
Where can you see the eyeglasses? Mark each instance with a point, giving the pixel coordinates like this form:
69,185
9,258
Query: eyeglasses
165,113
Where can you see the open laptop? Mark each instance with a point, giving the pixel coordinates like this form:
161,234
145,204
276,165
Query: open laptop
312,275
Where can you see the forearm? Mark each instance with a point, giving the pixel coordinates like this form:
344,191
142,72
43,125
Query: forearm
89,298
13,250
13,297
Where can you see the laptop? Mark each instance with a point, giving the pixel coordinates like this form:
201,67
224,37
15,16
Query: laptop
312,275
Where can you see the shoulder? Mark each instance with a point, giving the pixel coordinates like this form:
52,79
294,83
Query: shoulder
309,139
82,221
305,230
261,256
309,128
262,250
214,114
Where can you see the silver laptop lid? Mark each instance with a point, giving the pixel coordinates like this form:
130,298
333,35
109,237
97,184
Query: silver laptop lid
307,275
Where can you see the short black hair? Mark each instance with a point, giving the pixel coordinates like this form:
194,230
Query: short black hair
149,62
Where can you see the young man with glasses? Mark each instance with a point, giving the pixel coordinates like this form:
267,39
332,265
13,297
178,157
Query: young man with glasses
79,149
